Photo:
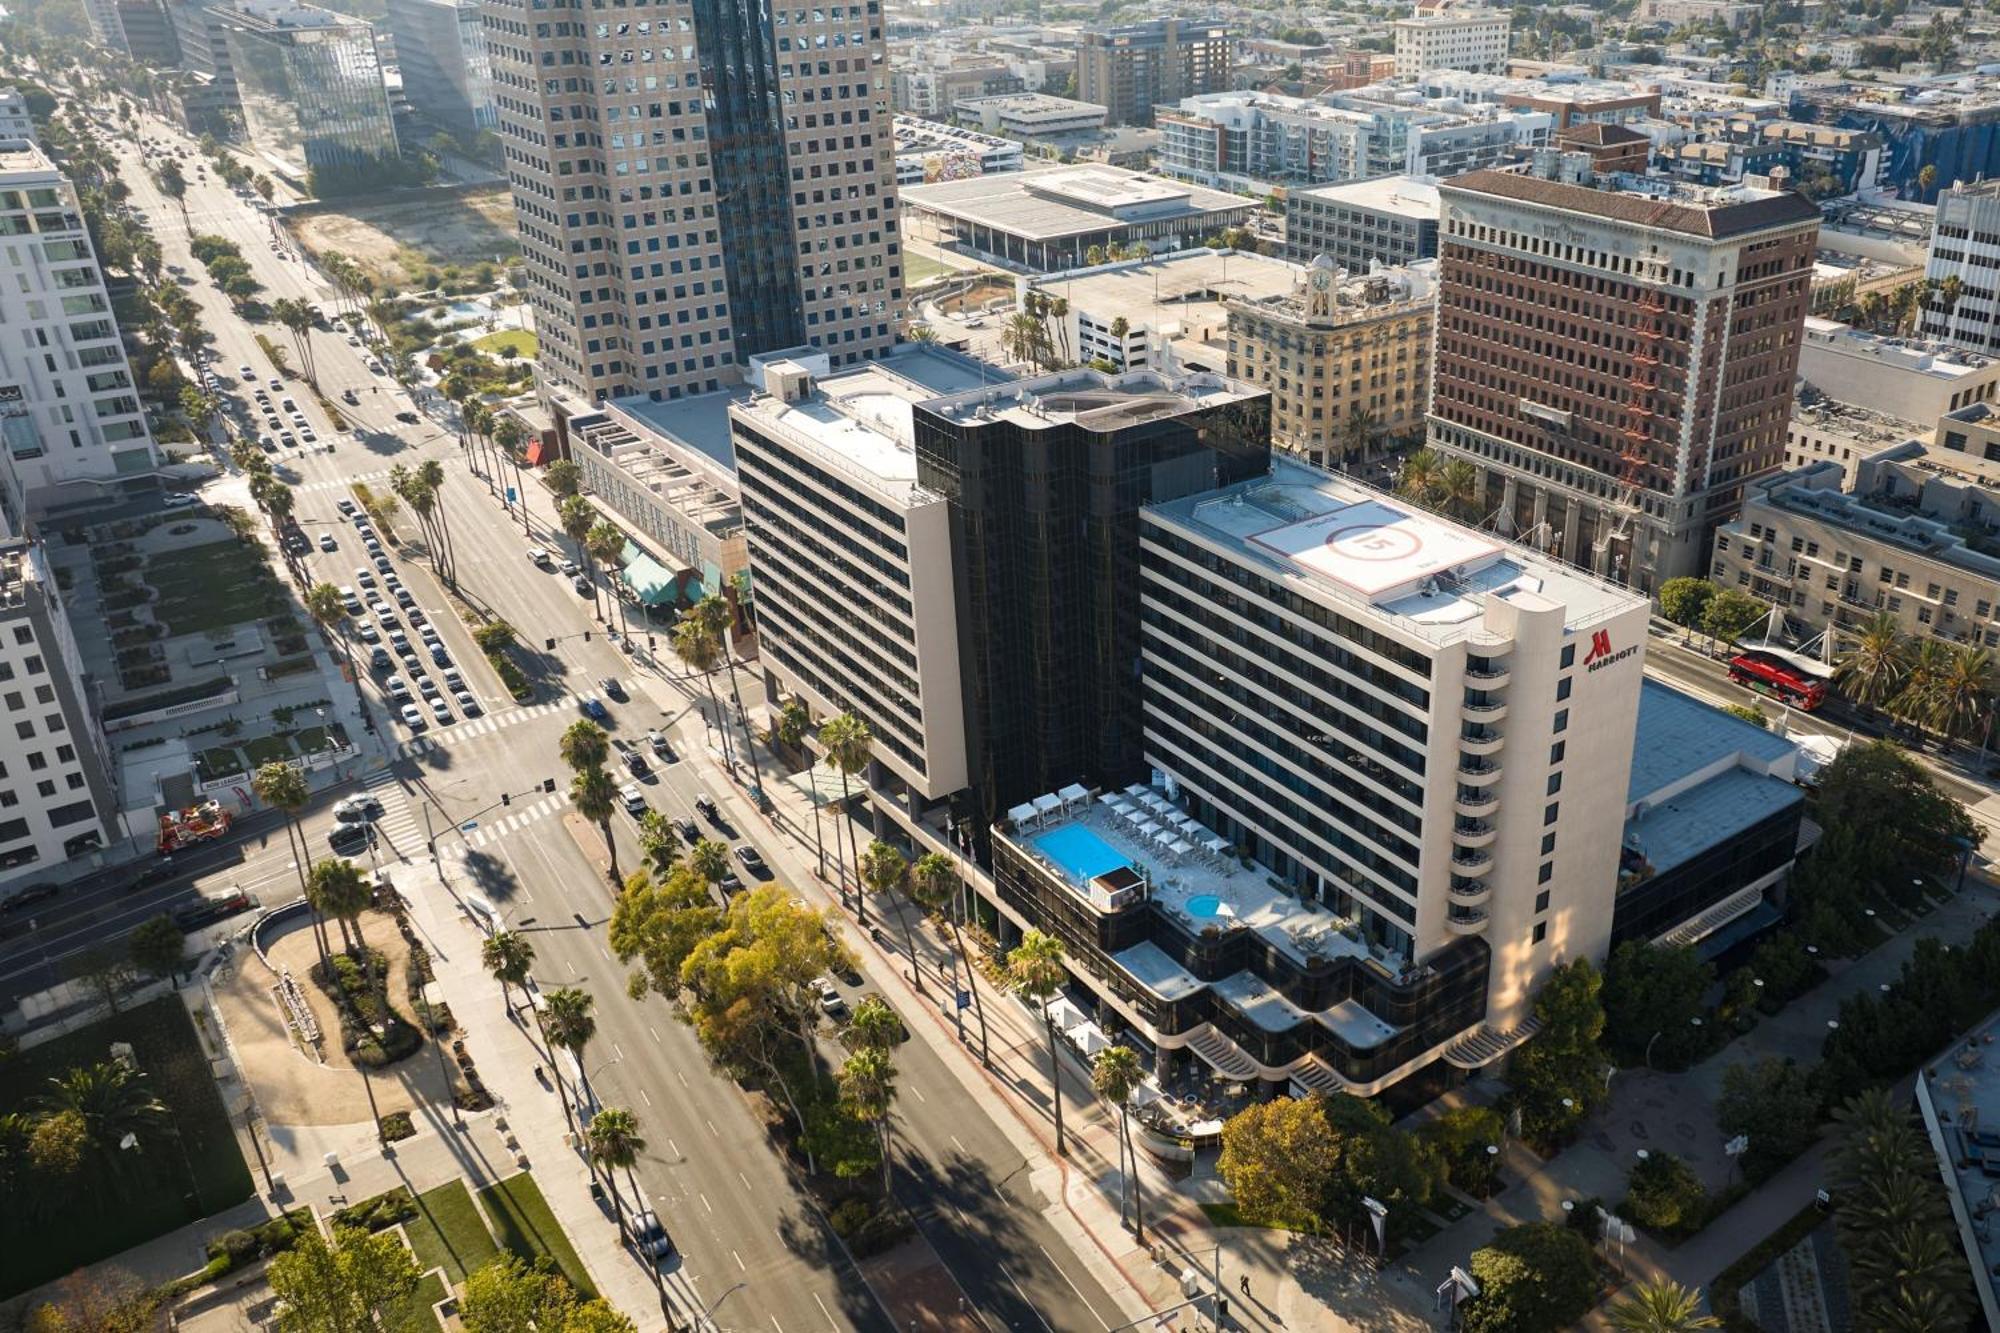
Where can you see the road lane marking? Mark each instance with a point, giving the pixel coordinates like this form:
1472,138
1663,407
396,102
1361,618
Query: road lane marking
1024,1299
620,1050
822,1309
1073,1287
711,1127
649,1028
704,1202
960,1146
745,1179
920,1094
682,1077
740,1268
643,1096
673,1148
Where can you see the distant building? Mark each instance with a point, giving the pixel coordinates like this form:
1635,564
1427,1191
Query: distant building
447,75
1560,302
1358,69
16,125
71,422
203,97
1390,220
311,87
1731,14
1908,378
1345,359
1134,67
1958,1094
1846,434
138,28
1469,39
1028,115
1569,100
1160,313
1610,148
919,89
928,151
1965,251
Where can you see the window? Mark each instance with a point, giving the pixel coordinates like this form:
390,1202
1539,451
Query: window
1562,720
1562,689
1556,752
1549,813
1541,931
1544,875
1542,901
1548,843
1555,783
1568,656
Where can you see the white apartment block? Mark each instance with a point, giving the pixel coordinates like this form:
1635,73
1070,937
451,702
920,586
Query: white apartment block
15,122
1429,728
57,802
853,564
1462,39
70,420
1965,250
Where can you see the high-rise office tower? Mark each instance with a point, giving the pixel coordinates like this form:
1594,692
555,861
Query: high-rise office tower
447,75
1965,252
311,88
695,184
1133,67
138,28
70,420
1617,357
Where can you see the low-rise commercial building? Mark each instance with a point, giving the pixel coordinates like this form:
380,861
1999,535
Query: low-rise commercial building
934,88
1029,115
1346,359
1731,14
1909,378
1468,39
1390,220
1825,430
927,152
1569,99
1137,314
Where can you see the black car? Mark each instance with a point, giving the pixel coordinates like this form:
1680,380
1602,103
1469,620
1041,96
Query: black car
350,839
408,418
707,808
28,897
689,833
613,690
752,863
637,763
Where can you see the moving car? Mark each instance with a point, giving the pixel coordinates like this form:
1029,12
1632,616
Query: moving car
28,897
703,803
635,800
349,839
327,543
650,1237
360,808
689,833
589,706
636,762
752,862
408,418
613,690
348,396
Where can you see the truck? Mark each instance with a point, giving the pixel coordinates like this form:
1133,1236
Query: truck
195,823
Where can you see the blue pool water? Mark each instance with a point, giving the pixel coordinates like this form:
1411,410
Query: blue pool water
1080,852
1205,905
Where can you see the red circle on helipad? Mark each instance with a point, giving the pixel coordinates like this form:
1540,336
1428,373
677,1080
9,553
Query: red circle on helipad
1374,542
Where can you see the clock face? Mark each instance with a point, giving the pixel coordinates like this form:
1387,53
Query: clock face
1321,280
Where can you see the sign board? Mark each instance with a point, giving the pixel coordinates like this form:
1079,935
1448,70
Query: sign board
510,495
965,999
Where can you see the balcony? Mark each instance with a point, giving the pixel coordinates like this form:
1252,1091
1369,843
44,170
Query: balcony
1482,713
1466,921
1475,807
1479,740
1473,833
1469,861
1475,772
1470,892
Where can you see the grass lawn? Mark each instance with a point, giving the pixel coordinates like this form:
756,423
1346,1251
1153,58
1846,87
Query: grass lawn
919,269
1226,1215
99,1221
522,1220
416,1316
448,1232
522,341
267,750
210,587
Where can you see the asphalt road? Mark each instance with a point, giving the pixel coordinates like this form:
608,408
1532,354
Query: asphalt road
719,1186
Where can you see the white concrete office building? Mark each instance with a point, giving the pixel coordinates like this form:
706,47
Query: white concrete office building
70,419
1468,39
853,565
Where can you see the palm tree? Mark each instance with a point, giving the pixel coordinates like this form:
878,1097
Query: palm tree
1117,1075
1357,432
509,436
297,316
718,617
614,1144
509,957
338,890
584,745
696,646
1420,476
606,543
323,604
594,795
431,473
849,746
112,1100
1026,339
709,859
659,842
1873,671
932,881
1035,966
568,1024
883,868
1915,702
868,1086
1961,695
563,478
1458,490
283,787
794,720
577,517
1660,1307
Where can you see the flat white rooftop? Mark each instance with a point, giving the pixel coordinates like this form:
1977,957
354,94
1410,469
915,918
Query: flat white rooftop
1406,196
1372,547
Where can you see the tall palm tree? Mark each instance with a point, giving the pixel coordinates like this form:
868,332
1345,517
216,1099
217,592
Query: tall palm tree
697,647
1962,694
1873,671
1117,1075
283,787
584,745
338,890
606,544
594,794
324,605
577,517
508,957
431,473
709,859
1664,1306
659,843
297,316
883,869
614,1144
794,721
868,1086
1458,490
1035,967
849,746
509,436
934,882
1915,703
715,612
1420,475
568,1024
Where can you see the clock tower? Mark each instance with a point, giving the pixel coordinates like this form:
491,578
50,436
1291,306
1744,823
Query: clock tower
1320,276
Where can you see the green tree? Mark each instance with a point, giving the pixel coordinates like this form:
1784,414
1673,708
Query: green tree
606,543
354,1284
874,1025
563,478
1683,600
849,746
328,610
1116,1075
868,1091
1278,1159
933,880
110,1101
508,958
1652,996
717,616
569,1023
431,473
1899,821
283,787
1662,1306
1460,1137
105,970
1535,1278
584,745
696,646
659,842
594,794
660,925
1564,1059
157,946
1035,969
338,889
614,1143
1663,1194
1771,1103
709,859
1750,713
793,726
577,516
1731,613
174,186
883,871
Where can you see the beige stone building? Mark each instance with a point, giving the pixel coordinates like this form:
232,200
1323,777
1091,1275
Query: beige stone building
1336,346
1823,431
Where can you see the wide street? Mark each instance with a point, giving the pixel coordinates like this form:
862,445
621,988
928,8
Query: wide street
722,1190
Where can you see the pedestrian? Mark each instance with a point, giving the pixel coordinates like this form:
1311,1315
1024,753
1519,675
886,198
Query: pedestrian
1243,1284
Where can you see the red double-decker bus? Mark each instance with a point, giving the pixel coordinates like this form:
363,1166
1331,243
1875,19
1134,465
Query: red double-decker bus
1770,674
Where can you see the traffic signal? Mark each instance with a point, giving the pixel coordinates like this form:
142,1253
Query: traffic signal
548,645
548,784
505,799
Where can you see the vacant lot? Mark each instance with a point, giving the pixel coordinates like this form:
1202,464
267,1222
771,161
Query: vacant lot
151,1192
396,241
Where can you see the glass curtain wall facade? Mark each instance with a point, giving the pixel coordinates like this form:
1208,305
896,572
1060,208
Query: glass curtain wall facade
311,89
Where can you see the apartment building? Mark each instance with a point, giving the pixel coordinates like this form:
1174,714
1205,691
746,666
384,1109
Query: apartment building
447,74
1914,539
1468,39
1965,252
1913,379
1391,220
854,565
57,800
1617,362
1345,359
1569,98
1131,68
936,89
311,88
722,186
16,125
70,419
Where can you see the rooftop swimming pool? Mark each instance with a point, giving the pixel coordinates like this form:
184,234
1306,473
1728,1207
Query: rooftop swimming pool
1081,853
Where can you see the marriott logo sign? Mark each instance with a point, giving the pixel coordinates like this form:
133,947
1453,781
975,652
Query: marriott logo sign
1602,654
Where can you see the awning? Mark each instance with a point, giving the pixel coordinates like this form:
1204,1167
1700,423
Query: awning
1066,1015
539,452
1021,814
1089,1039
1048,803
656,585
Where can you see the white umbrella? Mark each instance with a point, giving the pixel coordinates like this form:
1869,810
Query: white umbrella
1149,828
1164,837
1181,847
1217,844
1111,799
1137,791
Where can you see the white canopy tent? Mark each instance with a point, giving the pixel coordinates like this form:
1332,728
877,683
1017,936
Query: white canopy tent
1048,803
1089,1039
1065,1015
1074,794
1022,814
1218,845
1137,791
1180,847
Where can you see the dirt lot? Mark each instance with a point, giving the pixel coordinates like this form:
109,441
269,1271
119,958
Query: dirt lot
396,241
292,1088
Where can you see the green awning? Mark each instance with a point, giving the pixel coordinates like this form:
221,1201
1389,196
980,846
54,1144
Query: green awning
656,585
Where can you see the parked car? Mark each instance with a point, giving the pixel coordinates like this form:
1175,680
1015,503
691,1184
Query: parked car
635,800
412,718
177,500
28,897
660,746
752,862
327,543
703,803
650,1237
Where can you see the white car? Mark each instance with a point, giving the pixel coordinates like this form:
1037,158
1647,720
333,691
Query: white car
412,717
177,500
249,375
635,800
